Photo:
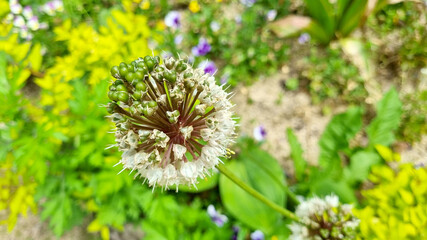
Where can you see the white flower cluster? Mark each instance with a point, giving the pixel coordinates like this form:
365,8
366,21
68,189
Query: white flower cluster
324,219
24,19
180,136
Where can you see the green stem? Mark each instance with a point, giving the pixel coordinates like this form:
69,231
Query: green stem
256,194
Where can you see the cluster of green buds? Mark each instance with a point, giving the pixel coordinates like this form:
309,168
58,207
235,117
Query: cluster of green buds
172,121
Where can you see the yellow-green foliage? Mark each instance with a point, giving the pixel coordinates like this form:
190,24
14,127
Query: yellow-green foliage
80,178
397,205
92,52
17,62
16,193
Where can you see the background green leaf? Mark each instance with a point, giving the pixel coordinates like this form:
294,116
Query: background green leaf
382,127
245,207
300,163
336,136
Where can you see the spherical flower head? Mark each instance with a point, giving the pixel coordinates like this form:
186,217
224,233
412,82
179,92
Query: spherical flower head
173,19
173,123
324,219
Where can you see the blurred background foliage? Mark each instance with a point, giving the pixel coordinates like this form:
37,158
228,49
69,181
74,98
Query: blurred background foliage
53,133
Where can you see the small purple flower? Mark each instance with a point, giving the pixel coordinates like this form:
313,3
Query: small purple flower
202,48
19,21
33,23
166,55
27,12
257,235
238,19
304,38
49,8
260,133
58,5
178,39
217,218
236,231
208,67
248,3
173,19
271,15
15,8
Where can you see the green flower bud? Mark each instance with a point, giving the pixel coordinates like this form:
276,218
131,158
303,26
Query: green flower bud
130,76
181,66
139,75
149,62
110,107
113,95
170,76
188,75
172,116
118,82
157,60
123,71
112,88
115,71
169,63
152,104
141,86
134,110
123,64
121,88
123,96
141,64
137,95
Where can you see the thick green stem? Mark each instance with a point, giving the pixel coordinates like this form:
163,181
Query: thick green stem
256,194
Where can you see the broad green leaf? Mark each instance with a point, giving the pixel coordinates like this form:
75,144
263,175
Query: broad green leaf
341,7
268,180
318,32
323,12
296,153
336,137
244,206
389,111
351,18
360,165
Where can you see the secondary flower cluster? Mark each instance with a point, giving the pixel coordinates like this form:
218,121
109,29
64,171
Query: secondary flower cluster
324,219
173,122
25,19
